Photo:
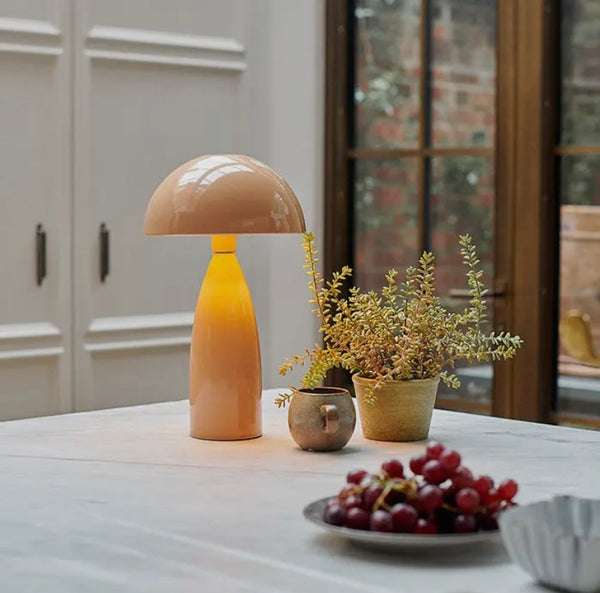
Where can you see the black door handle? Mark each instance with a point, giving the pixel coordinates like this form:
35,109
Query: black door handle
104,252
40,254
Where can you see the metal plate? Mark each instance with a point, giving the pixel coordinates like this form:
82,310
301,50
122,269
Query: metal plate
397,541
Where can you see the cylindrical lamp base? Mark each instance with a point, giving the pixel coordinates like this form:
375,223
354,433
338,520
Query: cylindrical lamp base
225,371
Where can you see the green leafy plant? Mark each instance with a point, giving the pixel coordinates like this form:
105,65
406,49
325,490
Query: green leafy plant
401,333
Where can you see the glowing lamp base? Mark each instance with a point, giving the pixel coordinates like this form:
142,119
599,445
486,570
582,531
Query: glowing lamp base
225,370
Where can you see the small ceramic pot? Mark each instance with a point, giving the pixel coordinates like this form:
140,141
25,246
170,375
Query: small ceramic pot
322,419
402,410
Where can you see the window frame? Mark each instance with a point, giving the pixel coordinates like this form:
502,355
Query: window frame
527,211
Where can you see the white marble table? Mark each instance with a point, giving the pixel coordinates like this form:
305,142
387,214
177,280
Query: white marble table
123,500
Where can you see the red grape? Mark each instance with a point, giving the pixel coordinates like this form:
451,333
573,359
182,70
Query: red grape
404,517
430,498
467,500
440,496
491,499
444,520
465,524
450,460
483,484
357,519
368,480
416,464
381,521
449,493
434,450
508,489
416,503
425,527
347,491
333,500
334,515
463,478
371,494
352,502
434,472
393,468
356,476
488,521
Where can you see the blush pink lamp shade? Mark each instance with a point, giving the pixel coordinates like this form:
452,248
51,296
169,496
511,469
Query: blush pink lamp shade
222,196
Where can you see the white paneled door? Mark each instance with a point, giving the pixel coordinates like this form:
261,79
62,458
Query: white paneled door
35,204
155,88
99,101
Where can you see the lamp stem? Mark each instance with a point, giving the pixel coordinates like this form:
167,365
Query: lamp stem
223,243
225,370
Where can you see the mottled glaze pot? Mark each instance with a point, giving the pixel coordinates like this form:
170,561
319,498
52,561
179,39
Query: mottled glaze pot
322,419
401,412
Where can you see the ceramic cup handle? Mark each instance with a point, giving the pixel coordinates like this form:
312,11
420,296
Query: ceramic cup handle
331,417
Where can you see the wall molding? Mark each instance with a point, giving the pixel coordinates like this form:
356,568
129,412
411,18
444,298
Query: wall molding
139,344
139,332
28,331
31,353
28,36
162,48
145,323
30,340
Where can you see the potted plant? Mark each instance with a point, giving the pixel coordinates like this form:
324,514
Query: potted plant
397,343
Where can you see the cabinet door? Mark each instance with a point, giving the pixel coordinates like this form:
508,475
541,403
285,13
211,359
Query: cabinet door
35,330
154,87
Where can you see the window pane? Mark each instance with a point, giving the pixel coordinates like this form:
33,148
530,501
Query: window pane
462,201
579,378
580,67
580,179
386,95
386,207
463,73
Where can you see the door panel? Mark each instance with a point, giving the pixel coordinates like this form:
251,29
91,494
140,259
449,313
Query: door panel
154,88
35,327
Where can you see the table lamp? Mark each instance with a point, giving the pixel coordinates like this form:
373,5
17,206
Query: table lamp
224,196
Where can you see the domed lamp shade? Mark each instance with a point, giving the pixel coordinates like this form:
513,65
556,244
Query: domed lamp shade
224,196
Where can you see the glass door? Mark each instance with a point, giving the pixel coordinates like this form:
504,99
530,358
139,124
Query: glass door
421,150
578,154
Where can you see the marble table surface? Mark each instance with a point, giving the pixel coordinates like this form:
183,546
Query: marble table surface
122,500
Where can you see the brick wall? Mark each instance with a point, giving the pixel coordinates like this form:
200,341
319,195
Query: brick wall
387,116
463,76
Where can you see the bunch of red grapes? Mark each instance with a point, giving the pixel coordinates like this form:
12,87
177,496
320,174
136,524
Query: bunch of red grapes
442,496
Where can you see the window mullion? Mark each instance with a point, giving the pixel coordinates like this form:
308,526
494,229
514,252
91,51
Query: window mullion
425,127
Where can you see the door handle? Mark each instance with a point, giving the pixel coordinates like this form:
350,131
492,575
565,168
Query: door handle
40,254
104,252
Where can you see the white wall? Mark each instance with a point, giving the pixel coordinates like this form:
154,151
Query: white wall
290,138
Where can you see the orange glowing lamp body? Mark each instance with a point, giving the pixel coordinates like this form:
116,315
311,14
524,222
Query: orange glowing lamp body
225,353
224,196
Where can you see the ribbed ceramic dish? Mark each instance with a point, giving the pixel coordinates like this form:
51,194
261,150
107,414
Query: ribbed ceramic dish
556,541
396,542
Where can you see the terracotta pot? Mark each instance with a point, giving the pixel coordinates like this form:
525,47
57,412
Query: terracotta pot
322,419
402,410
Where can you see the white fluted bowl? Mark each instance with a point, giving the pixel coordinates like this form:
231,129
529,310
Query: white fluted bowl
556,541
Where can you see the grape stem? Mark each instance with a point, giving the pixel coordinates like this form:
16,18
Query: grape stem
408,487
